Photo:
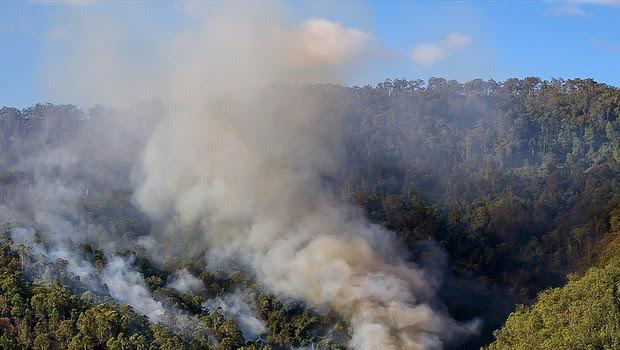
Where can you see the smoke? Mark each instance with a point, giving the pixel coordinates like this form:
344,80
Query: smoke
117,278
239,307
127,286
244,161
240,168
184,282
48,203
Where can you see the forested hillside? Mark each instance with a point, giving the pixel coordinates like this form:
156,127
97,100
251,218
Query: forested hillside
521,175
514,184
584,314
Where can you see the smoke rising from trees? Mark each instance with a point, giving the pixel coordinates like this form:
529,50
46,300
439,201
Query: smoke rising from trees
239,167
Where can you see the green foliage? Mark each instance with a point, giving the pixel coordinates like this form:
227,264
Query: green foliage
584,314
288,324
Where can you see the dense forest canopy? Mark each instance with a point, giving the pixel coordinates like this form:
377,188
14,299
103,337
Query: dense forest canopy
583,314
511,186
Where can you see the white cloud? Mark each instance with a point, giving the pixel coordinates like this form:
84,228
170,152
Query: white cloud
322,41
428,54
566,10
575,7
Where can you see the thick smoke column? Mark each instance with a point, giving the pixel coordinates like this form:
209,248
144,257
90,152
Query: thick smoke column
242,161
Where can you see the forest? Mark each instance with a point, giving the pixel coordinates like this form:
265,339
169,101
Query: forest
509,191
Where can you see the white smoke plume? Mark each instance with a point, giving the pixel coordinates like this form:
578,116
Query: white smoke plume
128,286
47,215
238,167
238,306
184,282
118,278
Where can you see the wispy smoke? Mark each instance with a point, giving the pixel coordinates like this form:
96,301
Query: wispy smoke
128,286
184,282
238,306
118,277
47,208
238,168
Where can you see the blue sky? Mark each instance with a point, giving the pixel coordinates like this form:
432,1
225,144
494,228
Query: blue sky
459,40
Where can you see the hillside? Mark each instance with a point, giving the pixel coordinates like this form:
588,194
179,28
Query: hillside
502,189
583,314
